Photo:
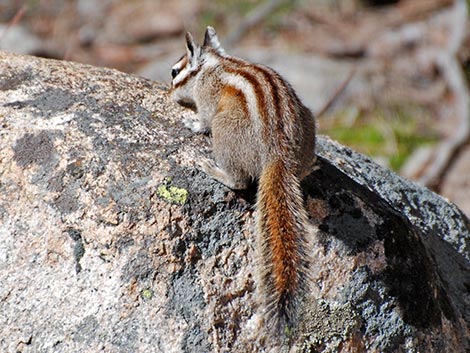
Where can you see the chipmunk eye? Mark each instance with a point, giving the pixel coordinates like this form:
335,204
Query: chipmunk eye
174,72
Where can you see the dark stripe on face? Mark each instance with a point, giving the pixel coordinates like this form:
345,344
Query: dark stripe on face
186,79
178,67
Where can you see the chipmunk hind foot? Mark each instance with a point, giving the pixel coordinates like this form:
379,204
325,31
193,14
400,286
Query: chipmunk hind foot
213,170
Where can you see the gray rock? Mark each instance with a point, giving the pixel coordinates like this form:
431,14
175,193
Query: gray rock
18,40
112,240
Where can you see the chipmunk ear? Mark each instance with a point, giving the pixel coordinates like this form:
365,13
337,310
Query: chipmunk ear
211,40
192,47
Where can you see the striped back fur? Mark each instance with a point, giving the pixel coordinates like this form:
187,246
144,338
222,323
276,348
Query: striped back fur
261,131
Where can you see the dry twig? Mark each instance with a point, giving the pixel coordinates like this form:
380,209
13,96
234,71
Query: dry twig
336,94
452,71
253,18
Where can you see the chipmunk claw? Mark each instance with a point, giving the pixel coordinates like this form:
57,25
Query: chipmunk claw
207,165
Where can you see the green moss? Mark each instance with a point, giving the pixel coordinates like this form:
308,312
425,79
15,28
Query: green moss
274,22
215,13
390,133
366,135
172,194
241,7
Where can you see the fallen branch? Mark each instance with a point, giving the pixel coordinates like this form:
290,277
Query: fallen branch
352,37
451,69
336,94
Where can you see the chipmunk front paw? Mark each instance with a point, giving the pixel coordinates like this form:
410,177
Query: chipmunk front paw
195,124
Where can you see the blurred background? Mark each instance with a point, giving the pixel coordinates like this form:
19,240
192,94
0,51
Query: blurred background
396,71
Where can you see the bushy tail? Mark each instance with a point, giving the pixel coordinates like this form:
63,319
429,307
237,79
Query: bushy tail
281,225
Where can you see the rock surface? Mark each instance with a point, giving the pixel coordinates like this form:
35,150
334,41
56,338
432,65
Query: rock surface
112,240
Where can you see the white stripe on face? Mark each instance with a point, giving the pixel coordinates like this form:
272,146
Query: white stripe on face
180,70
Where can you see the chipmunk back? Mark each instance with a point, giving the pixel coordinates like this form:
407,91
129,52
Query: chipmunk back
260,131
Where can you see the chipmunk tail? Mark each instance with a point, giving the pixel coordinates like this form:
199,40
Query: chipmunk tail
281,223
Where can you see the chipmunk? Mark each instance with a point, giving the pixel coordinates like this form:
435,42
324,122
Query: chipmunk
260,131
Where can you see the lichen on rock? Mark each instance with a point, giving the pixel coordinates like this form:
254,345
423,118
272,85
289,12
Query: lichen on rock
111,238
173,194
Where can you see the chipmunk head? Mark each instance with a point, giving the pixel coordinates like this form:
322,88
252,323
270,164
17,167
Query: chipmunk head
184,72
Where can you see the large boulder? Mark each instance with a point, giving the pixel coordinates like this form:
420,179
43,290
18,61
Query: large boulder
112,240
